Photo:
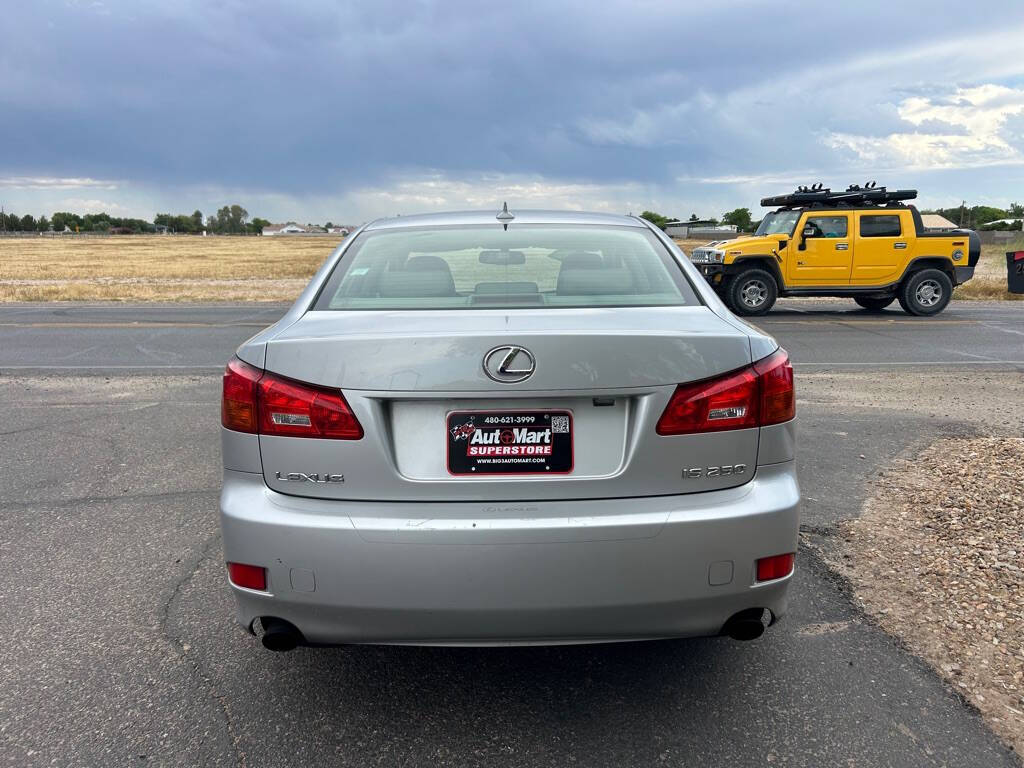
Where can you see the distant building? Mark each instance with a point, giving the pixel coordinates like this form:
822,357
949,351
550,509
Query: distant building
685,229
344,231
291,228
705,228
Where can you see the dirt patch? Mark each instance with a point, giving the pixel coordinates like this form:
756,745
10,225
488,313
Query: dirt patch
966,397
936,559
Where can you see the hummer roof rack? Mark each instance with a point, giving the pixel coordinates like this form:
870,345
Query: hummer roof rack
854,196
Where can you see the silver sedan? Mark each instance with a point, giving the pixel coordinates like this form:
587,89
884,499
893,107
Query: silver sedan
535,427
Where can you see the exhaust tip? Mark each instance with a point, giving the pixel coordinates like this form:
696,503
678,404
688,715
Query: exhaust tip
279,635
745,625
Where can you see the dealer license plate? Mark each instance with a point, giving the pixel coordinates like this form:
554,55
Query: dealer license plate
510,442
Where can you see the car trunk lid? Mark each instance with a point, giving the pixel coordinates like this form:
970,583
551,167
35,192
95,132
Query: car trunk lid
413,378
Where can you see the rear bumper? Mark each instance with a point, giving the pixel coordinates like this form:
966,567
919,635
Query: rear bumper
528,572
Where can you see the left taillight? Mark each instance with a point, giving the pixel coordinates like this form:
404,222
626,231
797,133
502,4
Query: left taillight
258,402
238,404
248,576
756,396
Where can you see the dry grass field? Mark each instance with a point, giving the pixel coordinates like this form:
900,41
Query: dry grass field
184,268
990,277
155,268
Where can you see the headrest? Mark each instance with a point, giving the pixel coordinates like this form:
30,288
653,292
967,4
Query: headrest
594,282
424,276
427,263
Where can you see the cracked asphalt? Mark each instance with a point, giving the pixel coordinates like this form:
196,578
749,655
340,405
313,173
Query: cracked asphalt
121,645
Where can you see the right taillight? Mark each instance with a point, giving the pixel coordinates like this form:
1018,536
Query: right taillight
258,402
758,395
775,567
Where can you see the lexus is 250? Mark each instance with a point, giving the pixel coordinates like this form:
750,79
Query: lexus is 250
536,427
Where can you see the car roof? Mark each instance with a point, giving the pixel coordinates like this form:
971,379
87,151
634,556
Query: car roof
489,217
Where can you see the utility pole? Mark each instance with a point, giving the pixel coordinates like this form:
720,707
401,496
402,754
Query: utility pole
963,208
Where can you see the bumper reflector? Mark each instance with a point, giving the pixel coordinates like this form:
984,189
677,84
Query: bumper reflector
248,576
775,567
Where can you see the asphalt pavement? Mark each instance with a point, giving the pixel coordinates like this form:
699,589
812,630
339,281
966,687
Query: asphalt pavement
121,646
197,337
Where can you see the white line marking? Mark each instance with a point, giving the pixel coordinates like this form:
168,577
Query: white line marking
919,362
107,367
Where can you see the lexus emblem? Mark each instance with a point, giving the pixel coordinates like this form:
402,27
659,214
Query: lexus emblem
509,364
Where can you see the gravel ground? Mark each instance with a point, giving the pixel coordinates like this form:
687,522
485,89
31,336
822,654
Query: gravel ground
936,559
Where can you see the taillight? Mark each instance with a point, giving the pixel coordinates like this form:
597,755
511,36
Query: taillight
778,397
728,402
302,410
267,404
238,404
758,395
775,567
248,576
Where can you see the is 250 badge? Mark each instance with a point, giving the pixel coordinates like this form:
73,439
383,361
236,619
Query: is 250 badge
719,471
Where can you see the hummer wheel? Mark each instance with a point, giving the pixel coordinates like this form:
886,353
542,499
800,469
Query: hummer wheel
926,292
752,292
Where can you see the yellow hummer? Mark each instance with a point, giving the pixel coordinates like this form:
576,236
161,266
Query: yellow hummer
865,243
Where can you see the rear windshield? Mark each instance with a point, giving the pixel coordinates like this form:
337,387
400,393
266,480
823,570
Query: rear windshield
489,267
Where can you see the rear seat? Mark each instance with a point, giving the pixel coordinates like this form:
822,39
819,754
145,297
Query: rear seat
421,276
584,273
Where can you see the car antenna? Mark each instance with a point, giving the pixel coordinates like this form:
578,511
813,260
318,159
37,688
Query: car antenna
504,216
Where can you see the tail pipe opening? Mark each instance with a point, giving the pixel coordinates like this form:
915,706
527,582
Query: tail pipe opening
279,635
746,625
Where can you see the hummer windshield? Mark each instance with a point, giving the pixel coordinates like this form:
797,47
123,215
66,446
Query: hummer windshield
778,223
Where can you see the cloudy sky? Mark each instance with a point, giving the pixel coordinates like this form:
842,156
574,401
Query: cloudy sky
314,110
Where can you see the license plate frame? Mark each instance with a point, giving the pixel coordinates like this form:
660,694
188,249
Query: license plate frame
497,443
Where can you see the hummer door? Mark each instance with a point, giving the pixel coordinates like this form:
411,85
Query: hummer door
883,247
824,250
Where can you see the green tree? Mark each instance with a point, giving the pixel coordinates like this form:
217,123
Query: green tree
740,217
43,225
181,222
239,216
694,217
28,222
63,219
257,224
655,218
1016,210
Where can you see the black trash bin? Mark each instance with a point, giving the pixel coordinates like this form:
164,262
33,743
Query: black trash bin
1015,271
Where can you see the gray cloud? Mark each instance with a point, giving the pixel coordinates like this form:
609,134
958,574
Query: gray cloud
313,104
